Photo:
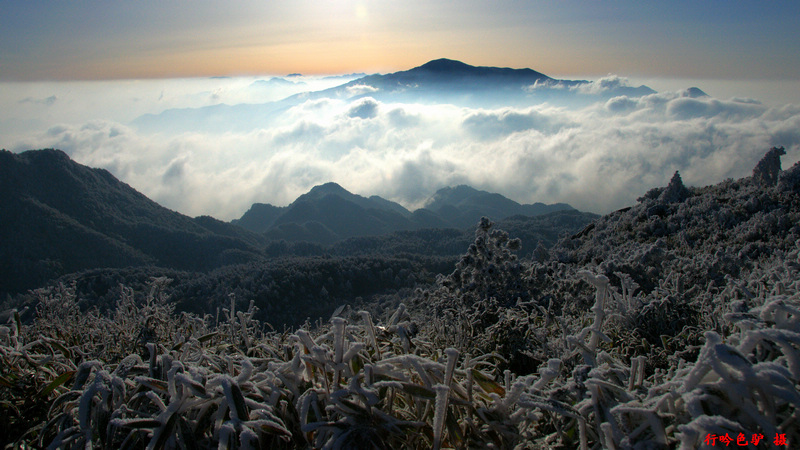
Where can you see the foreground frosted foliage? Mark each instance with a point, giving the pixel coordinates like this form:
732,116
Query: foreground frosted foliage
656,327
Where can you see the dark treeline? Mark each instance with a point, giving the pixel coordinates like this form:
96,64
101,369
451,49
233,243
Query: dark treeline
546,229
287,291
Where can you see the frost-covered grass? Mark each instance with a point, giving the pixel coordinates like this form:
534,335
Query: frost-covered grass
662,324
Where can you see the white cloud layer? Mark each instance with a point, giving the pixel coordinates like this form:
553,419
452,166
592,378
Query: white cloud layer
597,158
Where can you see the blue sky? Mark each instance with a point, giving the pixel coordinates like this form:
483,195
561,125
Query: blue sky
87,39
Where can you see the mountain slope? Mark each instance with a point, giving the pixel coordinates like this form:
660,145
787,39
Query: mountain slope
725,227
61,217
462,206
259,218
333,214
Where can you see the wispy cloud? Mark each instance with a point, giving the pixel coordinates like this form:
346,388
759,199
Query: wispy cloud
360,89
47,101
601,85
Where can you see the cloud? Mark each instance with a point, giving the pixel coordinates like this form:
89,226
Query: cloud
495,124
689,108
621,104
598,158
361,89
366,108
601,85
174,173
546,84
399,117
421,173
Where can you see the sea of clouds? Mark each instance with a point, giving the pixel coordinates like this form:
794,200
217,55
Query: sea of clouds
597,158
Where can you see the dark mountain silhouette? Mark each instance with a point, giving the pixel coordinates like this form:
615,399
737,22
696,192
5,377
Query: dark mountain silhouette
332,189
447,81
60,217
260,217
329,213
450,81
462,206
326,214
447,74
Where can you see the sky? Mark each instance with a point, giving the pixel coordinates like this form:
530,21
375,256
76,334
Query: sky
80,75
91,39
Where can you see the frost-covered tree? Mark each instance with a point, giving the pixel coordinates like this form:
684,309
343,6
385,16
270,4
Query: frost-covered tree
675,191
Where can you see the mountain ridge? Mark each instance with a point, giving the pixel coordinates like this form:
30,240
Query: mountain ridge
450,207
476,86
437,81
451,69
62,217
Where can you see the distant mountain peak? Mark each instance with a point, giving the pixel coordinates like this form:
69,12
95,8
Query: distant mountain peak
464,205
328,189
445,65
452,194
330,186
47,153
323,191
694,92
445,68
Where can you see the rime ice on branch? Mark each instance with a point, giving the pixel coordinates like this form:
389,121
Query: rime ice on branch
768,169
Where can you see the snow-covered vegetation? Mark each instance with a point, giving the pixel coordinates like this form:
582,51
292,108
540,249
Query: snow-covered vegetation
657,326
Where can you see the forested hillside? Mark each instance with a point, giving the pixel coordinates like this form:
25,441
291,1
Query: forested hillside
61,217
286,286
673,323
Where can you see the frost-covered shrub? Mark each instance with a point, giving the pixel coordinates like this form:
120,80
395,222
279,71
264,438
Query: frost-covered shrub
344,385
789,180
485,305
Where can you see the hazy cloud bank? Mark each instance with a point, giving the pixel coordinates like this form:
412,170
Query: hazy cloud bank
597,158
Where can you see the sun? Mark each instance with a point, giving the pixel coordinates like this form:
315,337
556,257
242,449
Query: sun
362,14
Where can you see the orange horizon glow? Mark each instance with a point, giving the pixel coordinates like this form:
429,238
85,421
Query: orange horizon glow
144,40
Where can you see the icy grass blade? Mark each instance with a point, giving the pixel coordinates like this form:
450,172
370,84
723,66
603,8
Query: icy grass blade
165,431
371,331
487,384
452,359
235,399
62,379
440,411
